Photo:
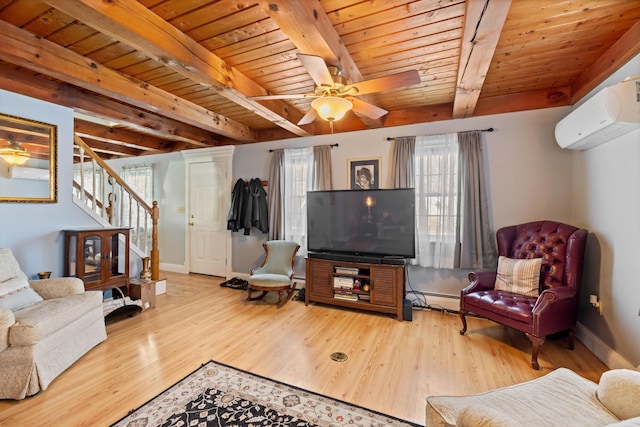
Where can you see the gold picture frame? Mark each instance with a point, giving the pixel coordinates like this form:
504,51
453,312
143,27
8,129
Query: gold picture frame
364,174
28,160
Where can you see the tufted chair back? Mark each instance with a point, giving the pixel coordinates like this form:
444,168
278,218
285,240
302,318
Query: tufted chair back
556,243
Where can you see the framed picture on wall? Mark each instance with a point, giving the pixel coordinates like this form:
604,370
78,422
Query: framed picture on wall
364,174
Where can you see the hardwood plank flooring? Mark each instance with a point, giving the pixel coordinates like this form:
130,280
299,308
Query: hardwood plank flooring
392,366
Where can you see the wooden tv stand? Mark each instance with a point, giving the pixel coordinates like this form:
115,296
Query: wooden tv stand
385,285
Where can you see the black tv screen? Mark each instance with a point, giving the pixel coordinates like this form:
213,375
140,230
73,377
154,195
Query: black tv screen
362,222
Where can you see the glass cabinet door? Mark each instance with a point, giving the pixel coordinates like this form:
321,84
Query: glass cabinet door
92,251
117,262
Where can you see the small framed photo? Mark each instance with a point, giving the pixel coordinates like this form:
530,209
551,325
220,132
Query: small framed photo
364,174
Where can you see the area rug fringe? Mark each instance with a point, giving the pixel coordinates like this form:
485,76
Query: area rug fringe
216,394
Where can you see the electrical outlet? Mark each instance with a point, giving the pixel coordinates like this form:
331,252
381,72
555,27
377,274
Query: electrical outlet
596,303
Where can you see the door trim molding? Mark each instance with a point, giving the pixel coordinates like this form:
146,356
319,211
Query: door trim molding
204,155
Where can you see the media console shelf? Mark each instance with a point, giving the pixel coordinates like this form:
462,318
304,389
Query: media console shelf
364,286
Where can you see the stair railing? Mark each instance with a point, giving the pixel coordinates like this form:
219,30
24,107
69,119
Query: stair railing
102,190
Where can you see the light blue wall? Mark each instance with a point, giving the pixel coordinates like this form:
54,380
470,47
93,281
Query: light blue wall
168,191
33,230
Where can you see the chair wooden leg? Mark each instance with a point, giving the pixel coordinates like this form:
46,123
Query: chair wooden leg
537,343
463,317
251,298
290,292
571,339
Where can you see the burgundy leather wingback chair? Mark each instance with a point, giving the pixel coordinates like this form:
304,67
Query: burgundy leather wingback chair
561,248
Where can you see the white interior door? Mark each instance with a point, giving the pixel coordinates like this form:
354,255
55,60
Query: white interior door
207,217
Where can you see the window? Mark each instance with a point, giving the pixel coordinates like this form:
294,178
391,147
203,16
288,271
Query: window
140,179
298,167
437,200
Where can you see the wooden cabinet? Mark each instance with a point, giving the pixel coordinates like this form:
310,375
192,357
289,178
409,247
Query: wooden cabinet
375,287
100,257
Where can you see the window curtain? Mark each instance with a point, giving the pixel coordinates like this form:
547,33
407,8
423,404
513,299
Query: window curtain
274,196
322,179
292,172
436,185
477,248
402,162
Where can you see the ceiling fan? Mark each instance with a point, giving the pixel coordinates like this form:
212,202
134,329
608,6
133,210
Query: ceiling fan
333,96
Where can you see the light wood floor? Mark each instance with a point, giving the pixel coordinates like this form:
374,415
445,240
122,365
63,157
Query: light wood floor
392,367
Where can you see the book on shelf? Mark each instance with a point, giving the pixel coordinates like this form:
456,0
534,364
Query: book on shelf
348,297
347,270
346,282
365,297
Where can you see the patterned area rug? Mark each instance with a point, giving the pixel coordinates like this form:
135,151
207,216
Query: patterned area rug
219,395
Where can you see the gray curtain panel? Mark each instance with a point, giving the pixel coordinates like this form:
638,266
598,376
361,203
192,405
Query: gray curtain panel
402,168
322,179
276,170
477,245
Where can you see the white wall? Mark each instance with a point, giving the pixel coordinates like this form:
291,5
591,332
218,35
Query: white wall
33,230
607,202
529,176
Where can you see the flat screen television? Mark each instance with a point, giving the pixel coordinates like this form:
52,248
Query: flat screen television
362,222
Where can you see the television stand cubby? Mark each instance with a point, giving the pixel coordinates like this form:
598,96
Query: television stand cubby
327,281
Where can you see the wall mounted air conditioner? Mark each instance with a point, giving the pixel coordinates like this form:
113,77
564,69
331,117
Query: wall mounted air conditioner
23,172
612,112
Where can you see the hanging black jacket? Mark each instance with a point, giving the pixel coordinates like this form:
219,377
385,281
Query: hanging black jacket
256,213
235,219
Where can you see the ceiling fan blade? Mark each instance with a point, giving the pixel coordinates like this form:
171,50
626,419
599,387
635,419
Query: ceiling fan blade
369,110
308,118
405,78
284,96
317,69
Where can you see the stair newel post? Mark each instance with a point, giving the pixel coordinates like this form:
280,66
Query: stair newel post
155,258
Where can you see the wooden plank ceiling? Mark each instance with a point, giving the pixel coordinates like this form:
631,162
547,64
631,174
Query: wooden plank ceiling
154,76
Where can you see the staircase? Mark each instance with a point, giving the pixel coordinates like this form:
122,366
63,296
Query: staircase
99,189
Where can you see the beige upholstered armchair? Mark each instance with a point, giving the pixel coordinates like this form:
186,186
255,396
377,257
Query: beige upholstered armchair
45,326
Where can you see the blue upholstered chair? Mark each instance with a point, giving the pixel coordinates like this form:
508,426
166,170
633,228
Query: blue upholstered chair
276,273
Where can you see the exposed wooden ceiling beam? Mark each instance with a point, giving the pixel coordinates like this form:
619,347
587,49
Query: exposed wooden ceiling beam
307,26
38,87
623,50
113,150
120,137
483,25
523,101
163,42
431,113
26,50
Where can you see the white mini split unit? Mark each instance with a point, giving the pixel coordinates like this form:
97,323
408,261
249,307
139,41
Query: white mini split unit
22,172
610,113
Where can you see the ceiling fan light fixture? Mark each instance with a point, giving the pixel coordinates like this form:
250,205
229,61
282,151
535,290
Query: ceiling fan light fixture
331,108
14,153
